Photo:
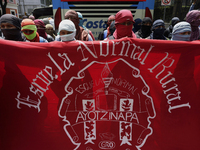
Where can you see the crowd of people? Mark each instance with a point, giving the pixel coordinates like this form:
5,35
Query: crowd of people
119,26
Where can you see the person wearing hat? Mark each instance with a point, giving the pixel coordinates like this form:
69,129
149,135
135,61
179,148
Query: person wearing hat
49,30
123,24
11,28
158,29
66,31
181,31
29,30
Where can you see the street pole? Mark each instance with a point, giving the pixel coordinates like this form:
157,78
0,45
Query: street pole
20,9
24,7
164,13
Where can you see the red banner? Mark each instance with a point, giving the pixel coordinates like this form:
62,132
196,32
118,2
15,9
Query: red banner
116,95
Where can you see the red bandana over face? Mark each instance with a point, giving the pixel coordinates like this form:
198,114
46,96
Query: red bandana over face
123,30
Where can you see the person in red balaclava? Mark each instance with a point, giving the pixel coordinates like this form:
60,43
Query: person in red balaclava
123,24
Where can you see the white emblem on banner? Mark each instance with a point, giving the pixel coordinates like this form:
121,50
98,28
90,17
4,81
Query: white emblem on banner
125,132
126,104
90,131
28,102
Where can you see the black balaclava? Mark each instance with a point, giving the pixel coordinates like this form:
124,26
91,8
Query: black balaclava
12,34
136,25
158,33
174,21
145,30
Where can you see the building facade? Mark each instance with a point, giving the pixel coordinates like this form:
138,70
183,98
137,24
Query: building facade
25,7
11,7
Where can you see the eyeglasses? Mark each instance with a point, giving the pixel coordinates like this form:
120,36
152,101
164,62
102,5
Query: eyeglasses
127,23
28,32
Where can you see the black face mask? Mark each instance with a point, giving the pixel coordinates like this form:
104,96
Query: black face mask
146,31
12,34
158,33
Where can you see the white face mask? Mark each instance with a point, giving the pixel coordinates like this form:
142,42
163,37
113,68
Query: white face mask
178,37
68,37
